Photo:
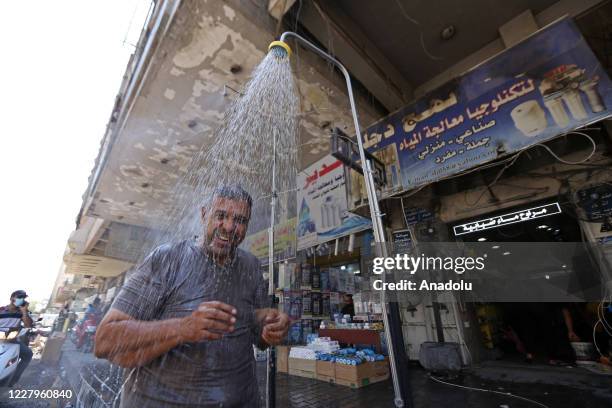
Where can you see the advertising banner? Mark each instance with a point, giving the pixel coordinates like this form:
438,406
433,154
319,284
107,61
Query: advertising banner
322,206
284,242
547,85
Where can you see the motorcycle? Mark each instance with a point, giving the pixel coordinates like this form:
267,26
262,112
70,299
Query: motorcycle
84,333
11,333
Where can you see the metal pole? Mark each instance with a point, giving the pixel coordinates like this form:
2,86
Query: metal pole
437,318
271,352
375,214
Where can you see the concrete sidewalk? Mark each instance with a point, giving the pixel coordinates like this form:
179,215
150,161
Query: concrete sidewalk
572,377
554,387
294,392
73,361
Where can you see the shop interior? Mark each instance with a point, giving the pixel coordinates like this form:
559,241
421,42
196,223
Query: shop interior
324,290
548,333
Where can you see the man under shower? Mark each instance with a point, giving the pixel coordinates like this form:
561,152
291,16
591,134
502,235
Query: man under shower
185,321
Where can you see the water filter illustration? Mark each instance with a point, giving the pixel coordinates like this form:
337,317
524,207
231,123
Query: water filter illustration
572,99
589,87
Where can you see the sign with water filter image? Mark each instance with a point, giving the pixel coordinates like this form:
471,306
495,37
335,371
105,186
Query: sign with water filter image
322,206
545,86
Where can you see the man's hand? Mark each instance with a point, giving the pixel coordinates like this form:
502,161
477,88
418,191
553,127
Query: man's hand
275,327
208,322
25,316
573,336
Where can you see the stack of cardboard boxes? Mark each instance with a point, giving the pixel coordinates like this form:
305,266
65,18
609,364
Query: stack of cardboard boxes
362,374
326,371
302,367
356,376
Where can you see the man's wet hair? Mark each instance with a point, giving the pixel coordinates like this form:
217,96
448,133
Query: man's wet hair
233,192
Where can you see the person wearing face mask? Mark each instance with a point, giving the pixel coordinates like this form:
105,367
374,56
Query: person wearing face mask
186,320
19,305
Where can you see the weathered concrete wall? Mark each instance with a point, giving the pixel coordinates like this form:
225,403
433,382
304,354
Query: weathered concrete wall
210,44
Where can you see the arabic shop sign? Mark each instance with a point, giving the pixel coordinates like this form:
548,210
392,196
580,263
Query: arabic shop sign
284,242
507,219
415,215
545,86
402,241
322,204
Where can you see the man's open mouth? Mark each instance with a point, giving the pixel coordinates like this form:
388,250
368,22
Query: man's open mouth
222,237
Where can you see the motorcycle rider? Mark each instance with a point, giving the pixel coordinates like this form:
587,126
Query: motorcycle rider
19,305
83,336
61,319
93,309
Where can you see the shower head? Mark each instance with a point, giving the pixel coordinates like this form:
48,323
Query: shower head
279,49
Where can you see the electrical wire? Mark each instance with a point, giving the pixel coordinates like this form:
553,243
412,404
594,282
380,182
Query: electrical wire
506,394
421,35
484,191
594,340
608,300
430,55
480,168
603,321
602,318
514,158
413,192
509,161
553,154
603,324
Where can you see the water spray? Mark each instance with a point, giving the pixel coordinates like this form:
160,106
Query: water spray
280,49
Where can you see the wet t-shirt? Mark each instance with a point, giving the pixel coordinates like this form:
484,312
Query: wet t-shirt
171,283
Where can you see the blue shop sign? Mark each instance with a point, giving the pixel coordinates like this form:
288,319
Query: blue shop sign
545,86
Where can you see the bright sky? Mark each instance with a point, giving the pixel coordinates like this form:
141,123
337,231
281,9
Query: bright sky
62,65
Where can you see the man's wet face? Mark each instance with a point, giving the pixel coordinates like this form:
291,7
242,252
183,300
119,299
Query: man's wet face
225,224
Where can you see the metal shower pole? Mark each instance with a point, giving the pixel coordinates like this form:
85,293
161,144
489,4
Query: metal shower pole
375,214
271,352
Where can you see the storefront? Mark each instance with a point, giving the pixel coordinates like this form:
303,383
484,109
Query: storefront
552,327
321,280
486,147
527,144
